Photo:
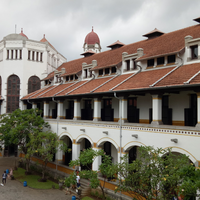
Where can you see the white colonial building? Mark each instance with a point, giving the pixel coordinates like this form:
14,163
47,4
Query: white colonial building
23,64
152,85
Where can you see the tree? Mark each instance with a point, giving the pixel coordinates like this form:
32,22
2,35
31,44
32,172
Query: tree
17,127
46,144
107,168
191,182
155,174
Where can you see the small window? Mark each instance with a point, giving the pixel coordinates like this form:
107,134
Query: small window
113,69
41,54
7,54
71,78
37,54
171,59
20,54
100,72
107,70
134,64
67,78
160,61
33,55
29,54
128,65
194,52
11,54
16,51
150,63
85,73
76,77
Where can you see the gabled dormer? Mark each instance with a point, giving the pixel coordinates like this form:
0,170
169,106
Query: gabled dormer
86,69
153,34
116,45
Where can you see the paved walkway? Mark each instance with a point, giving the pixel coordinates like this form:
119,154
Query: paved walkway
15,190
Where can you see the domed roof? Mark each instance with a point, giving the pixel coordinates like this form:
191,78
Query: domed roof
92,38
22,34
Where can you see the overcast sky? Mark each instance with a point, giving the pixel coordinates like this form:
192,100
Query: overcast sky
66,22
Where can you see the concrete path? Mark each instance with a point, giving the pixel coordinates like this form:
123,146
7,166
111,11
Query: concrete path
15,190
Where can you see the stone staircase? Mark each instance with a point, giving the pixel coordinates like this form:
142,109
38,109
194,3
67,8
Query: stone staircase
85,189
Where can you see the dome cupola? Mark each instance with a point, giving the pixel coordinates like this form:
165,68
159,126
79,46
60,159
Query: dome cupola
92,42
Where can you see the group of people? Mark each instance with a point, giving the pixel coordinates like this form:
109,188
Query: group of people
5,175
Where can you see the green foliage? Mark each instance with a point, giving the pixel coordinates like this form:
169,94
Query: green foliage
17,128
107,169
155,174
70,180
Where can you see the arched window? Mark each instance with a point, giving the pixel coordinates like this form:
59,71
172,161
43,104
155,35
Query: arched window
33,84
13,89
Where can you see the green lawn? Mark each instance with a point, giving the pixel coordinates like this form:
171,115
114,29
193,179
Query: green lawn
32,180
87,198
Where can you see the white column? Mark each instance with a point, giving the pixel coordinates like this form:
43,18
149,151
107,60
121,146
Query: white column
77,109
131,64
59,157
157,109
34,105
198,110
23,106
75,150
97,161
13,54
124,65
60,110
124,110
10,53
46,109
97,110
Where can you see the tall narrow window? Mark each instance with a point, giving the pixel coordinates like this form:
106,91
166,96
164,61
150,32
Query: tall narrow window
11,54
107,70
13,89
128,65
20,54
33,55
29,55
37,54
16,51
41,56
0,85
194,52
7,54
33,84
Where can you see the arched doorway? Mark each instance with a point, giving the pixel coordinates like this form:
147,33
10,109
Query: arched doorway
85,144
67,156
132,154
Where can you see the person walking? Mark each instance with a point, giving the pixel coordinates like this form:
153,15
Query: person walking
4,176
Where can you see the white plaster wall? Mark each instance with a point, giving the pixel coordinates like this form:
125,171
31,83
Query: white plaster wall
178,102
144,103
188,144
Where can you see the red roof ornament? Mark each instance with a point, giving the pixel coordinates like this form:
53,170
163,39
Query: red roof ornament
22,34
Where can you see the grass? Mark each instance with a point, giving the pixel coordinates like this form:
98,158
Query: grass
32,180
87,198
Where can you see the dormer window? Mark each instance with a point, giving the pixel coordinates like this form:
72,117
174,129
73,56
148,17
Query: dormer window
160,61
113,70
67,78
171,59
85,71
71,78
194,52
100,72
76,77
107,70
127,65
150,63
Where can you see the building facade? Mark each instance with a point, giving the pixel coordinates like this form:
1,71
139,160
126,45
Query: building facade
144,93
23,64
